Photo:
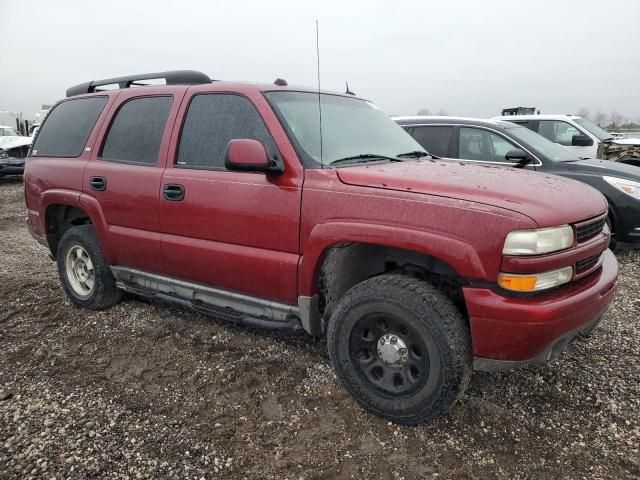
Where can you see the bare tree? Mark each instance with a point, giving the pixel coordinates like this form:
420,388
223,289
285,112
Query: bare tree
600,118
584,113
424,111
442,112
617,119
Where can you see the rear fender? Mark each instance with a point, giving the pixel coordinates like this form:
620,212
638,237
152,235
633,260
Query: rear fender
83,202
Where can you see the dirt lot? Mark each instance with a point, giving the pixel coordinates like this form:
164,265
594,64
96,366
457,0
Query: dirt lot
150,391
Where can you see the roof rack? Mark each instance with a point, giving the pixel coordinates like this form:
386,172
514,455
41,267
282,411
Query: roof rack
174,77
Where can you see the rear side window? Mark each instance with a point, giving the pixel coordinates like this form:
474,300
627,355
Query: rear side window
66,129
211,122
136,131
435,140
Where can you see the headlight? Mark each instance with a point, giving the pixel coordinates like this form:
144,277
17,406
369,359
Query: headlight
627,186
538,241
535,282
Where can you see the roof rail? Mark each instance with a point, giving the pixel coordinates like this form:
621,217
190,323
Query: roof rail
173,77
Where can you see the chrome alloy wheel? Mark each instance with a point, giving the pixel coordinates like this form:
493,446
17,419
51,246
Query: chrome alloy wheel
79,269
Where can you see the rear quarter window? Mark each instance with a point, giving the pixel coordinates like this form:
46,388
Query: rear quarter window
67,127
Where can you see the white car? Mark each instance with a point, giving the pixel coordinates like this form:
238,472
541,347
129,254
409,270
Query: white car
13,151
581,137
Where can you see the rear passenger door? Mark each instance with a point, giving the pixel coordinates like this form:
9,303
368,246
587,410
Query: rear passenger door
435,139
125,171
238,231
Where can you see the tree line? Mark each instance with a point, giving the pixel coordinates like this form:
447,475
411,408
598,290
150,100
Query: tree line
609,121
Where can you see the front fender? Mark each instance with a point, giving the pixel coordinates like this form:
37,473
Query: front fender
461,256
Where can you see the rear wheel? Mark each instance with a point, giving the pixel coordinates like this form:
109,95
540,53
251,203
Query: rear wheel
400,348
83,270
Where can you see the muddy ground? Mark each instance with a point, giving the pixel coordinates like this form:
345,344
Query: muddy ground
146,390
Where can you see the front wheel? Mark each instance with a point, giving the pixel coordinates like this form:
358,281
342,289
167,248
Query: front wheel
83,270
400,348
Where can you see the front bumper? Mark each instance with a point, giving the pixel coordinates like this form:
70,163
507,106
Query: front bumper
12,167
533,329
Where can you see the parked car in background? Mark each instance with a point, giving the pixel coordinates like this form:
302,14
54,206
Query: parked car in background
13,151
236,200
503,143
581,137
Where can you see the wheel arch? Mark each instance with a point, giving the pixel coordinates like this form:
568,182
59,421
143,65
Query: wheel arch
331,266
64,210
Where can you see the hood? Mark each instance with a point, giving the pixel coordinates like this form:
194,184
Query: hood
548,200
11,142
605,167
626,141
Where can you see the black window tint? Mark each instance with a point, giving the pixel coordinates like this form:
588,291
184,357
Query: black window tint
434,139
66,129
136,131
211,122
524,123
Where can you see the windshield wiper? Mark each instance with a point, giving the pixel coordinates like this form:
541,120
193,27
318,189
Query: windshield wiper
364,157
417,154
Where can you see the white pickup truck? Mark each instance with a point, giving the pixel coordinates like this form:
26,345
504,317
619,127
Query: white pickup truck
581,137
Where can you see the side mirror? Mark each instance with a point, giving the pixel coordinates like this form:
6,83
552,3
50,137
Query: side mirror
518,156
581,141
247,155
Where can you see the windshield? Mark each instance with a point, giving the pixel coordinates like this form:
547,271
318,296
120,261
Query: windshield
350,128
592,128
543,148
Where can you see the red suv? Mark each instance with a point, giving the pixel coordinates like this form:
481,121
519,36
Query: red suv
284,207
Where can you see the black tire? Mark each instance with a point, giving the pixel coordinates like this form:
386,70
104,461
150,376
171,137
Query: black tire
431,381
103,292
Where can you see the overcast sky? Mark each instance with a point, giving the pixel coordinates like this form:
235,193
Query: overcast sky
468,58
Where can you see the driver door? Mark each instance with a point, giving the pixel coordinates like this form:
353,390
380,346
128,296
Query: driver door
480,145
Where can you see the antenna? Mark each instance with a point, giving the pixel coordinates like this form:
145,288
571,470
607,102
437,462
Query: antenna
347,91
319,102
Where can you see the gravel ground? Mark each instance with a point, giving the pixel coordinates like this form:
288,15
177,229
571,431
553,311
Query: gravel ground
145,390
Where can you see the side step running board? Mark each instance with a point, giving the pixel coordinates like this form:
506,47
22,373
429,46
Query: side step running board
230,306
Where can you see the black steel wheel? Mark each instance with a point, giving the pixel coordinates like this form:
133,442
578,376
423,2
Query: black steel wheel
400,348
390,354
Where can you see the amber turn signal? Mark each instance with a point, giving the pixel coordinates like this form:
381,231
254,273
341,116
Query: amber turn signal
535,282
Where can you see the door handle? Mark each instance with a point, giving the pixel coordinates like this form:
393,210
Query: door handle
173,192
98,183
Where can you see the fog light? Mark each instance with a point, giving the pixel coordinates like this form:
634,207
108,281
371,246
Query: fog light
535,282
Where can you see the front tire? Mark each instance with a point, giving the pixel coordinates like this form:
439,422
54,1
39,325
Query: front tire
400,348
83,270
